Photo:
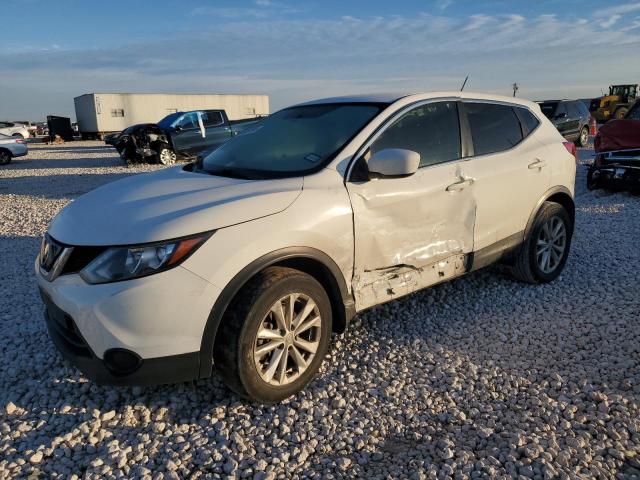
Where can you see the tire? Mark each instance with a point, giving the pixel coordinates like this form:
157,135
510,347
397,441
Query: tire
620,113
237,340
583,138
592,183
5,157
165,155
529,263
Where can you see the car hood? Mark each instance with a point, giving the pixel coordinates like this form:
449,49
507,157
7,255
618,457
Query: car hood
618,135
168,204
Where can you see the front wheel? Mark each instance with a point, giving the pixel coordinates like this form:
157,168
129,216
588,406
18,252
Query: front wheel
166,156
5,157
274,335
544,252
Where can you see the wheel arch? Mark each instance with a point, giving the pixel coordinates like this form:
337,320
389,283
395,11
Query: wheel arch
560,195
308,260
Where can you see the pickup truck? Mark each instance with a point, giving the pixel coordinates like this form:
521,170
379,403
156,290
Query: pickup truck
179,135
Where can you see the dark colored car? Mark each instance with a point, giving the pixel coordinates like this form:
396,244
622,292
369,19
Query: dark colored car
617,146
570,117
180,135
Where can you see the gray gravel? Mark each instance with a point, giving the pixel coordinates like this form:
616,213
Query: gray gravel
482,377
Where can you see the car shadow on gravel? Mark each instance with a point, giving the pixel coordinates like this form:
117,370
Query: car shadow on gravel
36,163
66,186
71,149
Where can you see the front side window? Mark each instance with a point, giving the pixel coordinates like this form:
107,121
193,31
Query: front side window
432,130
187,121
494,127
292,142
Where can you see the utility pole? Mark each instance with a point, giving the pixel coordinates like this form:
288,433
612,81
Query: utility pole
515,88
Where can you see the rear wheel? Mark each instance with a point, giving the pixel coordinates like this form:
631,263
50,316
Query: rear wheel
583,139
544,252
5,157
274,335
620,113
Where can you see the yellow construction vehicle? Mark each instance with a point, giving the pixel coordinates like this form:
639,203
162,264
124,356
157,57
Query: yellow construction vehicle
616,104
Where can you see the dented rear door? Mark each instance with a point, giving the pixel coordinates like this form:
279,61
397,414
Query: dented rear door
414,231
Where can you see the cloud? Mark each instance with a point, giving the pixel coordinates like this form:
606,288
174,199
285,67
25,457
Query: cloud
611,21
617,10
293,58
444,4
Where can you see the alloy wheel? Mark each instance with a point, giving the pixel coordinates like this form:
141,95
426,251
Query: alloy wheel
584,137
167,157
551,244
287,339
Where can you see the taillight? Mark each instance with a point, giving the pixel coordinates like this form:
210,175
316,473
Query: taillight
593,126
572,149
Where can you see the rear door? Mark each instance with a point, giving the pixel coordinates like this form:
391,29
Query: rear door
509,168
414,231
573,124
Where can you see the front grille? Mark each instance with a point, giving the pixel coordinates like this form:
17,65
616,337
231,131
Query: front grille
80,258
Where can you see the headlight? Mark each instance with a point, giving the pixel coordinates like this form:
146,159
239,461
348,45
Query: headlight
125,263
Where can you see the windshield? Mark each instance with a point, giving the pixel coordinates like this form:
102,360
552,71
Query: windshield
548,108
167,121
622,90
291,142
634,113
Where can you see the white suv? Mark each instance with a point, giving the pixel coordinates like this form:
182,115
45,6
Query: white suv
247,260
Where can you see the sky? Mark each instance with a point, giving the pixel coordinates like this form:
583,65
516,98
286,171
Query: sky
54,50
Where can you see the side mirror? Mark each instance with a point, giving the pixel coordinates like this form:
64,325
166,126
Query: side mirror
394,162
177,128
561,115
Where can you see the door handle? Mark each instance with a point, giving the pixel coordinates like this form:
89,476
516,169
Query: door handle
539,164
460,184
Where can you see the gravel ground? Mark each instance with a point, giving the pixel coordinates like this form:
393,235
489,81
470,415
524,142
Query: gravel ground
481,377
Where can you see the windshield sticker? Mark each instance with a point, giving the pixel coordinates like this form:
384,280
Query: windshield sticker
312,157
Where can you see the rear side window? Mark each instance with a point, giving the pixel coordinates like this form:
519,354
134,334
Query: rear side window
494,128
432,130
211,118
529,120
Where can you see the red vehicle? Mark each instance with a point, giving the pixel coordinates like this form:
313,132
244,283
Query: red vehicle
617,146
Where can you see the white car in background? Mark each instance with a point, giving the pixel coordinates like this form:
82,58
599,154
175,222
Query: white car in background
11,147
247,260
14,130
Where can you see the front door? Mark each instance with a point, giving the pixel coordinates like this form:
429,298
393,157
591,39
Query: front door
187,137
414,231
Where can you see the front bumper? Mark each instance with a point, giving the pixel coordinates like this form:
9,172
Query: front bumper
158,319
18,150
75,349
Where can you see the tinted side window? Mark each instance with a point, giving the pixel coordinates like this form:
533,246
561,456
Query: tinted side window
494,128
529,120
211,118
574,110
189,120
432,130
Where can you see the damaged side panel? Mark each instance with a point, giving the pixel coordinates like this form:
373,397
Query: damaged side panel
410,233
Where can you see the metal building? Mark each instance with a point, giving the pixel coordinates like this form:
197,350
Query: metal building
100,113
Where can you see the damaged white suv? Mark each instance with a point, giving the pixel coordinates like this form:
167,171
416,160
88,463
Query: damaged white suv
247,260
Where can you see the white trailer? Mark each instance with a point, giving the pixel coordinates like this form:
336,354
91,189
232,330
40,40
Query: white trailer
101,113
